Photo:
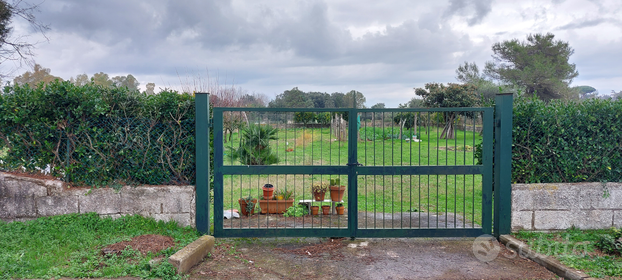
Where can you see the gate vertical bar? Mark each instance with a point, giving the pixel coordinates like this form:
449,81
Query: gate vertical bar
352,164
503,164
487,174
201,102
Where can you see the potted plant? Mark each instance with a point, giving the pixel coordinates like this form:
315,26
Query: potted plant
315,210
340,208
325,209
277,206
336,191
318,191
247,205
268,190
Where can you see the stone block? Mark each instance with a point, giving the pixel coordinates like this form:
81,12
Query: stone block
24,187
102,201
56,205
178,199
522,220
181,219
613,198
552,220
617,219
583,219
192,254
554,197
18,207
141,200
522,199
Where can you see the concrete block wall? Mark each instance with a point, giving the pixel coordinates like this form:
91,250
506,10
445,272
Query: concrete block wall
23,198
561,206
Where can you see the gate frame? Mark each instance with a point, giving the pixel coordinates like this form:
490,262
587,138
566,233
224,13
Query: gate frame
502,151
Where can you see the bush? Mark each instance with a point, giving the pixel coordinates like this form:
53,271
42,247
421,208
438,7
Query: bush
92,135
611,243
566,141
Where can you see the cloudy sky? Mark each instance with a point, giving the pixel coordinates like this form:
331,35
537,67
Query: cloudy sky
381,48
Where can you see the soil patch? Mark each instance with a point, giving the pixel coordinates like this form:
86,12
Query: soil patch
144,244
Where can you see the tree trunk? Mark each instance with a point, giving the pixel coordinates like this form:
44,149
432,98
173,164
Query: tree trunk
448,131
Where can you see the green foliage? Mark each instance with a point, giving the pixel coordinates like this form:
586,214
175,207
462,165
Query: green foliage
296,211
540,65
567,141
611,243
304,117
452,95
254,148
70,246
95,135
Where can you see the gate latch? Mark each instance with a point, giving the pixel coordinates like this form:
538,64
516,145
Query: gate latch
354,164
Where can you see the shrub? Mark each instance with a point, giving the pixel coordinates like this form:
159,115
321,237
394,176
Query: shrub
566,141
92,135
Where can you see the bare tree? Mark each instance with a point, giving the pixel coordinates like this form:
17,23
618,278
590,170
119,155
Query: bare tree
17,48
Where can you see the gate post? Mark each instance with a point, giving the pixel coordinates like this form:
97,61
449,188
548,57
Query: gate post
502,221
201,121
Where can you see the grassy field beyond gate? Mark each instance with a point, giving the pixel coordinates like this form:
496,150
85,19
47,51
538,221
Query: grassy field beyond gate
433,194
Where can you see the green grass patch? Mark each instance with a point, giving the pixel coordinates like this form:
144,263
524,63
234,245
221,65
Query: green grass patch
70,246
577,249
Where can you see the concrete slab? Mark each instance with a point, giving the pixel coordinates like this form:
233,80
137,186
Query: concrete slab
192,254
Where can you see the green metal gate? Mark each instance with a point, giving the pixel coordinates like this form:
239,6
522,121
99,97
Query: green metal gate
402,178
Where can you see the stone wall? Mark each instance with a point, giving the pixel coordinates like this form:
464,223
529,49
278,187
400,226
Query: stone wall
561,206
23,198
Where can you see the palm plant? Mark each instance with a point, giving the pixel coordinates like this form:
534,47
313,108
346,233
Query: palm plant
254,148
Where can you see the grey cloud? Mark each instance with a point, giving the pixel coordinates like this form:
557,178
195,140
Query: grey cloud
474,10
582,24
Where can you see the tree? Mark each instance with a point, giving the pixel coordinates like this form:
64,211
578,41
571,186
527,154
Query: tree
80,79
539,65
126,81
586,92
37,76
452,95
339,100
360,99
102,79
293,98
150,88
16,49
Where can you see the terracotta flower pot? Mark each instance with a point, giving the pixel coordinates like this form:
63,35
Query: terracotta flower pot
275,206
336,193
325,209
340,210
268,190
315,210
319,196
243,205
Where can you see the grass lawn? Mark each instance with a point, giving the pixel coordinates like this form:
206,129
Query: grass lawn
70,246
577,249
461,194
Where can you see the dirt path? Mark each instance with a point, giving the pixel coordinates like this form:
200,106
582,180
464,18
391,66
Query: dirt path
314,258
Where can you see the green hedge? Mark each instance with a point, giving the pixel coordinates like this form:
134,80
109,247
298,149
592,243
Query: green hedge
91,135
567,141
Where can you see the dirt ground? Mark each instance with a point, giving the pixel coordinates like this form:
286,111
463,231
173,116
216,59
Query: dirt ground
399,258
